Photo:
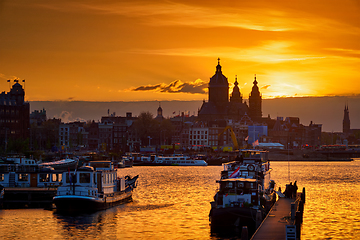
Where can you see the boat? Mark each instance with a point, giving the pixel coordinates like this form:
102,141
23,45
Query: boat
27,185
28,174
93,187
63,164
245,193
169,160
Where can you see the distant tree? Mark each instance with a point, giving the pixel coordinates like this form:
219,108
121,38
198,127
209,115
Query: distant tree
145,126
18,145
166,131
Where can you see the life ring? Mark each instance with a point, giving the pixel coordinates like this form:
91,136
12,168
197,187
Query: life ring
250,167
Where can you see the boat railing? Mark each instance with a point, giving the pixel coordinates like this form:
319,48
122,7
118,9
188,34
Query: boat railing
87,193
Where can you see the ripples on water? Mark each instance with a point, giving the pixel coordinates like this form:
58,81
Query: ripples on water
174,203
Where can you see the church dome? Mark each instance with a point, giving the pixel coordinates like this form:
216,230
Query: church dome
218,79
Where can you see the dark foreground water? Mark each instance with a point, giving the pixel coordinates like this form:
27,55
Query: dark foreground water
173,203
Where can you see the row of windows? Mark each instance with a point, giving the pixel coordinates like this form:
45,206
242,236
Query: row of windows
198,132
8,111
9,120
198,137
43,177
198,142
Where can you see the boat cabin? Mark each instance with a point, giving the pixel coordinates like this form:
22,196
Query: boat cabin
237,192
253,156
95,179
24,176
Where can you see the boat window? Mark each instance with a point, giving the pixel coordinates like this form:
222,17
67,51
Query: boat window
44,177
23,177
229,184
84,177
240,184
182,161
191,161
56,177
251,173
2,177
249,185
72,178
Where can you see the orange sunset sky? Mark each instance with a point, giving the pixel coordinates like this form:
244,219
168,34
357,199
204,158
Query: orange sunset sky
116,50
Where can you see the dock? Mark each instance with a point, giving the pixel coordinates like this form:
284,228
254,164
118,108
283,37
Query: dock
283,220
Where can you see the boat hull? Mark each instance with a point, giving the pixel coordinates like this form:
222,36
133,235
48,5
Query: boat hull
84,204
233,218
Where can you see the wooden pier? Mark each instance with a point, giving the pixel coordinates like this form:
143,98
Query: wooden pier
283,221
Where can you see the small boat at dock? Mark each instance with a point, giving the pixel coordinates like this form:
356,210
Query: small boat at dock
93,187
245,193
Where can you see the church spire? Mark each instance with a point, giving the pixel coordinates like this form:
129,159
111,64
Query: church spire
255,101
236,95
218,67
346,120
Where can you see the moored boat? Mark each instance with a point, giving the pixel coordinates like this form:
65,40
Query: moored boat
170,160
63,164
245,192
93,187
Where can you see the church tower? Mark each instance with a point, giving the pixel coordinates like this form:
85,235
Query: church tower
255,100
236,95
218,87
159,116
346,120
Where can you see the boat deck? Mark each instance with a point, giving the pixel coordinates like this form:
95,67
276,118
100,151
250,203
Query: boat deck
274,225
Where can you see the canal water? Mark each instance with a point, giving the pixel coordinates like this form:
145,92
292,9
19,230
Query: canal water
174,203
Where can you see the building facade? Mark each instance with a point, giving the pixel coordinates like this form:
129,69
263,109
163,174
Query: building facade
14,115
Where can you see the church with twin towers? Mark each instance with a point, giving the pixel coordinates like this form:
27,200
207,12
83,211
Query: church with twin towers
221,106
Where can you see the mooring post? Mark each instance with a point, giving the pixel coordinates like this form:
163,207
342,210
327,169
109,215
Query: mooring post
301,209
298,221
244,233
293,210
303,195
258,218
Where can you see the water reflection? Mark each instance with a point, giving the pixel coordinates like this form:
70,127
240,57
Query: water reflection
174,202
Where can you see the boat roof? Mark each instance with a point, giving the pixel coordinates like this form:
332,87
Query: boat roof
238,180
59,162
253,150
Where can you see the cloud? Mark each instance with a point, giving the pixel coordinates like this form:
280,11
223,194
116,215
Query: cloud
268,52
265,87
67,117
147,88
177,86
178,14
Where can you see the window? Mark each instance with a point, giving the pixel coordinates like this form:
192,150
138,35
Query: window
240,184
2,177
72,178
44,177
56,177
84,177
23,177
